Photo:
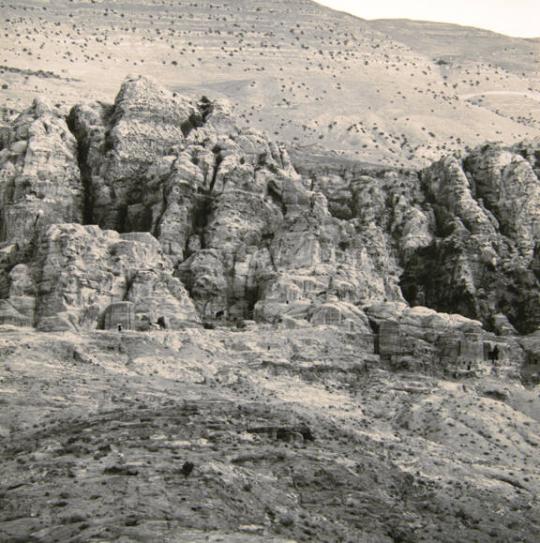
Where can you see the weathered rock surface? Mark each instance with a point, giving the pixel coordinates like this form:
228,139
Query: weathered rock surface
482,259
249,234
420,339
80,271
291,435
84,269
40,182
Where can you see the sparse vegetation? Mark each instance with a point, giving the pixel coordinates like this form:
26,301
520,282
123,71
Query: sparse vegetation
305,63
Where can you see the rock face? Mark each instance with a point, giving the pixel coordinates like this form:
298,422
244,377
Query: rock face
195,220
40,182
482,259
84,270
119,143
423,340
119,316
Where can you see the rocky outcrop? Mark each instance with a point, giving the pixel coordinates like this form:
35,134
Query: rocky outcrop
242,227
40,182
194,219
119,143
82,275
481,261
424,340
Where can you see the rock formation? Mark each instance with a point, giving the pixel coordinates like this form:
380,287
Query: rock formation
40,178
82,270
164,203
271,347
481,261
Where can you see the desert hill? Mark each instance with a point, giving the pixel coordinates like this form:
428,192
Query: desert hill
203,338
404,93
96,430
214,333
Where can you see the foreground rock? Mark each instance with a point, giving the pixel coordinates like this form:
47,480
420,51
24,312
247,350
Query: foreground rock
289,434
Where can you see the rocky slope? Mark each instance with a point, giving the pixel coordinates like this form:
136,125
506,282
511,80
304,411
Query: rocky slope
301,328
289,436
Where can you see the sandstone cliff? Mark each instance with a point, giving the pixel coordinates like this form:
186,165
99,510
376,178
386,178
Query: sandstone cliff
194,220
481,261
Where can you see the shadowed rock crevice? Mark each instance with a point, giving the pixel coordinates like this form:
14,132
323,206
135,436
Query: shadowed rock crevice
218,160
202,213
85,171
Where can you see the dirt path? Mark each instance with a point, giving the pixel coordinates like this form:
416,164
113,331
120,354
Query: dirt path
523,94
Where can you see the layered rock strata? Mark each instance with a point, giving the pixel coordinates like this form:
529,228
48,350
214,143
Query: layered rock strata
162,202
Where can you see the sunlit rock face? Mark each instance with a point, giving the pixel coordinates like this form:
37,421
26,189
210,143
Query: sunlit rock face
83,272
163,202
40,181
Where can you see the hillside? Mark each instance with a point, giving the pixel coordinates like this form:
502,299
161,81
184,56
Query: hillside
203,338
400,93
96,430
325,331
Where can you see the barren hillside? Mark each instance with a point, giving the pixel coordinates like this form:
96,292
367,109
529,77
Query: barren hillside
324,331
404,93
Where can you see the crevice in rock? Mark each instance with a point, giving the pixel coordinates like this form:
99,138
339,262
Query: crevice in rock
108,144
252,296
267,240
198,119
201,214
205,107
217,163
121,219
156,231
111,117
129,285
83,147
191,124
38,275
276,197
375,327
